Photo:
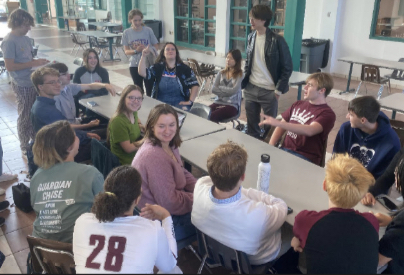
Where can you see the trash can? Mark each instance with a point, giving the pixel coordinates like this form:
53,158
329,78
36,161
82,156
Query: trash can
156,26
314,54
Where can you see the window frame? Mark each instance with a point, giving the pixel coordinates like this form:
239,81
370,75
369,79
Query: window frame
373,26
100,5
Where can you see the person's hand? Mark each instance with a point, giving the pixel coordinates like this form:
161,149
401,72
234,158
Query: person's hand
139,48
368,200
146,51
154,212
39,62
92,135
277,97
142,128
268,120
110,89
185,103
295,243
93,123
383,220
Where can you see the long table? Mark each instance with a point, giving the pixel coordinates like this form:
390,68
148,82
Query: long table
109,25
394,102
298,182
99,34
193,127
381,63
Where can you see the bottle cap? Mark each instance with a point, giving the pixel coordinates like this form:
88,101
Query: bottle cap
265,158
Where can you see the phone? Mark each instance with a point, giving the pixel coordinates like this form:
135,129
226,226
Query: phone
387,202
92,103
290,210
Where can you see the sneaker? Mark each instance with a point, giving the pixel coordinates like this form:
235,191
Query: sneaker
4,205
2,221
2,191
7,177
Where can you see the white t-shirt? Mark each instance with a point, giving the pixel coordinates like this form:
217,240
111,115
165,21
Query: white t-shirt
249,223
260,76
127,245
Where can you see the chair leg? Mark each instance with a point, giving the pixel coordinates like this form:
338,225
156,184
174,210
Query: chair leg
389,87
202,264
379,94
73,48
357,89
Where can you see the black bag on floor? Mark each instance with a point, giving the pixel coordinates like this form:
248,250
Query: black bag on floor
22,197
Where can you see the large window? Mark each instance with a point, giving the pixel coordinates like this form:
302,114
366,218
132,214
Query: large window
388,20
146,7
240,26
195,23
100,4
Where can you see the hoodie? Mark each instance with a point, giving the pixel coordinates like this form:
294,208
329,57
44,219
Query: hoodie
374,151
84,76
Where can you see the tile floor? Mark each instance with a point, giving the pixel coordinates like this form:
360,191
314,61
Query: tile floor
57,45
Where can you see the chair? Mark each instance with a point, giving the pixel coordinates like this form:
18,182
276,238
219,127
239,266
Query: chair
200,110
77,42
397,74
398,126
102,158
81,26
109,17
371,74
78,61
48,256
234,118
202,75
231,259
118,45
101,46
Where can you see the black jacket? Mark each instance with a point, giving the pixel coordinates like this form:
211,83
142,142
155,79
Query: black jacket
277,59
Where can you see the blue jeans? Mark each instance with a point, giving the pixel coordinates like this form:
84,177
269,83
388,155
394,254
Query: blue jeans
169,92
295,154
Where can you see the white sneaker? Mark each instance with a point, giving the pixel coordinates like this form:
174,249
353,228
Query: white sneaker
7,177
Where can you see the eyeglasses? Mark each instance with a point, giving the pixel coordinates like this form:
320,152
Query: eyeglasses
53,83
62,74
133,98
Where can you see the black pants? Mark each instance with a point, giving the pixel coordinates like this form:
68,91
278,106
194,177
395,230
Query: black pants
139,80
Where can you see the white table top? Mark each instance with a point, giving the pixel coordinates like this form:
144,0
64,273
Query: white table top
193,127
104,24
298,78
395,65
298,182
98,34
393,102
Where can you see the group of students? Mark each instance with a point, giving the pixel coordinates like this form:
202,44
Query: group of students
73,204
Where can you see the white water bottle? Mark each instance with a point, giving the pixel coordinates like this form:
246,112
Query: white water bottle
264,172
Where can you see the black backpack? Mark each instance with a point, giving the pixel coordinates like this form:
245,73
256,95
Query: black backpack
22,197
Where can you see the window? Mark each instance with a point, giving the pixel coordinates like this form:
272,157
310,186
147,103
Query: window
146,7
195,23
100,4
240,26
388,20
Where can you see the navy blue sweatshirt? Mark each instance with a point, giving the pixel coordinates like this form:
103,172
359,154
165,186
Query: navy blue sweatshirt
374,151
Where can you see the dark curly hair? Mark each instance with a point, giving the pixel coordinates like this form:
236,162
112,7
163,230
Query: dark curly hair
121,188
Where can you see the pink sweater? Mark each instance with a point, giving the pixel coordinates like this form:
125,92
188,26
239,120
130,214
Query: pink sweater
165,181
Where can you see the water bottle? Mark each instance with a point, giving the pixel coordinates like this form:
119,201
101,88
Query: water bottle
264,172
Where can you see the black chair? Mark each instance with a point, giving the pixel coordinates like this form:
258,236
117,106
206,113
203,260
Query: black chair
100,46
397,74
200,110
231,259
234,118
79,43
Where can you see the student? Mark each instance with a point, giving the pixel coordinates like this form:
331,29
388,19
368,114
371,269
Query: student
384,182
392,243
65,101
61,190
91,72
268,67
165,180
174,82
18,58
307,122
227,87
242,219
44,111
138,243
367,136
134,41
339,240
124,127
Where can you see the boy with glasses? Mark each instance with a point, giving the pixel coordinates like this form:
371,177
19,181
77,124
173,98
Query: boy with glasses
18,58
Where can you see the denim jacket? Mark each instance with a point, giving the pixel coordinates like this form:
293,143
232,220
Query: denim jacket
277,59
185,76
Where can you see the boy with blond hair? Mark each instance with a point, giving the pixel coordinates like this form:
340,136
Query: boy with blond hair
247,220
307,122
340,239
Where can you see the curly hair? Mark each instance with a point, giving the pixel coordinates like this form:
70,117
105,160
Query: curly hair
18,18
121,188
